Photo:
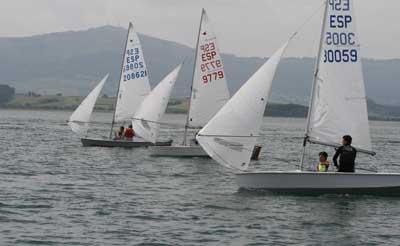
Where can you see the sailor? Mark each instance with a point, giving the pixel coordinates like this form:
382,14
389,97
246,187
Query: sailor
323,164
129,133
119,134
347,155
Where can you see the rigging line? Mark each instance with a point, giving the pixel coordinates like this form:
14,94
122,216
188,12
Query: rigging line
203,12
315,78
120,76
159,122
311,141
88,122
230,136
306,21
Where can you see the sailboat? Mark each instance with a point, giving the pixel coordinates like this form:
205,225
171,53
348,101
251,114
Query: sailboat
133,88
337,107
146,121
80,118
209,92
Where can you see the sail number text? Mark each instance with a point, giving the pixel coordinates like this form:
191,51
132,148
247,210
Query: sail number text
344,55
339,5
210,65
133,65
339,37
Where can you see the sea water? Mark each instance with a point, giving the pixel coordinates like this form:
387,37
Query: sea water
53,191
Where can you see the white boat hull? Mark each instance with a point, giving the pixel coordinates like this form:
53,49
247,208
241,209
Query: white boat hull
178,151
319,182
190,151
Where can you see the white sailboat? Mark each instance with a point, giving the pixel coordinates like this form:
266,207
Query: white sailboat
134,83
133,87
146,121
337,107
230,135
80,118
209,91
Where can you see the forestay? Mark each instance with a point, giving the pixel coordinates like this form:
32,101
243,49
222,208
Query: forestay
146,120
209,88
134,82
231,134
80,118
339,102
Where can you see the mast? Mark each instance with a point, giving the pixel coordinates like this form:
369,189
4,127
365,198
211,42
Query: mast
321,41
119,83
194,70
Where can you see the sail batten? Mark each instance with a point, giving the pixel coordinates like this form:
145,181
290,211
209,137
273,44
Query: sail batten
80,118
229,137
134,83
209,90
338,106
146,121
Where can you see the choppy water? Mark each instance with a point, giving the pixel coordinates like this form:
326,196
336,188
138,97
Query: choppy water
55,192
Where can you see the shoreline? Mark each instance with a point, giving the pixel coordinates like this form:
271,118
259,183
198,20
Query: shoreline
377,112
174,112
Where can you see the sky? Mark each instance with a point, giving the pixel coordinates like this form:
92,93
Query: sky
244,27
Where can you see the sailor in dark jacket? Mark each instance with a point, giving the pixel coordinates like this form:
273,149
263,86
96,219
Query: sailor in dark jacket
347,155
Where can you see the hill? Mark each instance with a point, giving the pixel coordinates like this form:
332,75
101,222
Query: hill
71,62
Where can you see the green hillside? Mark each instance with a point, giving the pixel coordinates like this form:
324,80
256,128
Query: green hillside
180,106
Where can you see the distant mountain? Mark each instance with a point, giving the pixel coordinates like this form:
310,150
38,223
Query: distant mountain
71,62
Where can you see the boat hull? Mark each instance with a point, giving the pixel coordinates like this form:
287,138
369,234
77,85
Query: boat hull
318,182
93,142
190,151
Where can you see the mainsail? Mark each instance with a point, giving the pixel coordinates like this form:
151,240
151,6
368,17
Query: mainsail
146,121
80,118
134,83
229,137
338,104
209,87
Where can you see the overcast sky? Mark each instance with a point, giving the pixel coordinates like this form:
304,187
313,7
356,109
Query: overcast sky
244,27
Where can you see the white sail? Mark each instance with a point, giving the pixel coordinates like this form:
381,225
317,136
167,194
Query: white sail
209,88
338,104
134,82
229,137
80,118
146,120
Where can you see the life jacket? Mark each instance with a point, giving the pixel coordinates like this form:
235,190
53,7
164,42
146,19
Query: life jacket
322,167
129,133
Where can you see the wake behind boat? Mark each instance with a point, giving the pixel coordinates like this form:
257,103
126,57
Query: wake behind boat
337,108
